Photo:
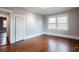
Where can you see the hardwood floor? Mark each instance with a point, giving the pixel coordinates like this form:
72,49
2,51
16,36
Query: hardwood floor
2,38
43,43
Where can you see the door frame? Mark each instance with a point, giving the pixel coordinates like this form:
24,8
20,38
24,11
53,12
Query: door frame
15,25
8,30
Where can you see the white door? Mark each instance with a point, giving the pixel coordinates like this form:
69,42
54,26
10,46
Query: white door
19,28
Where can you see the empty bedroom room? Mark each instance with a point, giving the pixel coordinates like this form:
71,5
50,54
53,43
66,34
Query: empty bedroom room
41,29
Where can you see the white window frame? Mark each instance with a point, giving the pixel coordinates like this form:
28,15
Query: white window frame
61,23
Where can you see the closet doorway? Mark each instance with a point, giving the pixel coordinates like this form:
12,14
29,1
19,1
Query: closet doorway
19,27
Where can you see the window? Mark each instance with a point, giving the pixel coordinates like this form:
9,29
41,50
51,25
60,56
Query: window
4,23
58,22
52,23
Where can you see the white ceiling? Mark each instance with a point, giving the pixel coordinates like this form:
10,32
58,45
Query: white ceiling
47,10
43,10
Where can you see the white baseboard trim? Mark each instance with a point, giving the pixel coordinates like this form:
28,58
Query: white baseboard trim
53,34
61,35
35,35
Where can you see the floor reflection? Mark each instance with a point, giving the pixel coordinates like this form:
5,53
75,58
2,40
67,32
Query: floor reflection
57,46
52,45
63,47
2,38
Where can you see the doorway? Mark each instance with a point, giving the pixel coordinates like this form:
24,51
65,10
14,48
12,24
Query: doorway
19,28
3,27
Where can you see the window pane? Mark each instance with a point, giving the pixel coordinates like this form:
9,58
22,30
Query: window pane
5,23
62,19
52,26
62,26
52,20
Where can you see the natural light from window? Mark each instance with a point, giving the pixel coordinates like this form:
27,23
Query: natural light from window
4,23
58,23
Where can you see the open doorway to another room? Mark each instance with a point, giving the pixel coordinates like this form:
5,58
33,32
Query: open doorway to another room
3,27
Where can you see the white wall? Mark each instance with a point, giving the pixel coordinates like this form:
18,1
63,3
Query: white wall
73,23
33,23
